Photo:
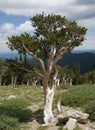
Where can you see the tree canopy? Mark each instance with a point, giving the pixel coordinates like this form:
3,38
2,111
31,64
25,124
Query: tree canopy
52,33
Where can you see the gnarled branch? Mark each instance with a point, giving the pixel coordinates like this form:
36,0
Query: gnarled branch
37,58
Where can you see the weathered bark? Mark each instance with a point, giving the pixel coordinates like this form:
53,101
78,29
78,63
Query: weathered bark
15,80
48,115
49,90
12,80
59,103
0,79
27,83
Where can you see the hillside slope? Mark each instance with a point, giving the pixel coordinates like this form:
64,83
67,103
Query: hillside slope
86,60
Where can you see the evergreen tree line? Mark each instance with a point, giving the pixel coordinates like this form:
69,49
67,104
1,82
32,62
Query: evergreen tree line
17,72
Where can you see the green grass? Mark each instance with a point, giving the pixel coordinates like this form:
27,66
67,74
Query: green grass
79,96
16,109
31,93
43,128
15,114
8,123
90,108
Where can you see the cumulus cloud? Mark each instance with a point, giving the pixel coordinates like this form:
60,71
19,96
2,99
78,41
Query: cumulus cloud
89,23
32,7
24,27
12,29
3,47
73,9
81,10
9,29
85,2
88,44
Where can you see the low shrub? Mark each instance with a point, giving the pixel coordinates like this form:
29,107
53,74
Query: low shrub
79,96
16,108
90,109
8,123
16,103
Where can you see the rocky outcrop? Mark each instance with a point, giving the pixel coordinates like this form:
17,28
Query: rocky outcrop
34,125
71,124
70,119
80,116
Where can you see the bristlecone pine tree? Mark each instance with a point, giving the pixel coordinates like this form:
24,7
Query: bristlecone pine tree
53,37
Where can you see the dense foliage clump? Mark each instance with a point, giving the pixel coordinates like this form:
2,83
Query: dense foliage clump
90,108
8,123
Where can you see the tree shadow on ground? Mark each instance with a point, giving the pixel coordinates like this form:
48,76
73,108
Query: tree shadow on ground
23,115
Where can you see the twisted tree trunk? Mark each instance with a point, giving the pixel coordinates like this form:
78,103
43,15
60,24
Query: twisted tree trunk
48,101
49,90
0,80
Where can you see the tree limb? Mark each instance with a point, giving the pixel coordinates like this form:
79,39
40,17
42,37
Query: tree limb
50,61
59,55
41,75
62,51
54,78
37,58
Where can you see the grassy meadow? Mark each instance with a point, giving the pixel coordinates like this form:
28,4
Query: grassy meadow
14,112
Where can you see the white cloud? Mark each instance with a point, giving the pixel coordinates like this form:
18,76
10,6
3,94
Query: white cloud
3,46
88,44
32,7
8,29
89,23
25,27
81,10
73,9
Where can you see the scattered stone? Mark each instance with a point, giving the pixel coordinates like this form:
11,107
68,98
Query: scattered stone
67,113
71,124
78,115
92,125
85,127
11,96
33,107
34,125
54,121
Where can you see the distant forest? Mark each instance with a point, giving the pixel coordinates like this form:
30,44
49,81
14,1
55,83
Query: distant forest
86,60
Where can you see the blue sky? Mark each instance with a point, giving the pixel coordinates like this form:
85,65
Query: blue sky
15,17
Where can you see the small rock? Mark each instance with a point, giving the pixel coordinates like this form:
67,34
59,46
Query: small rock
11,96
33,107
92,125
84,127
54,121
71,124
34,125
